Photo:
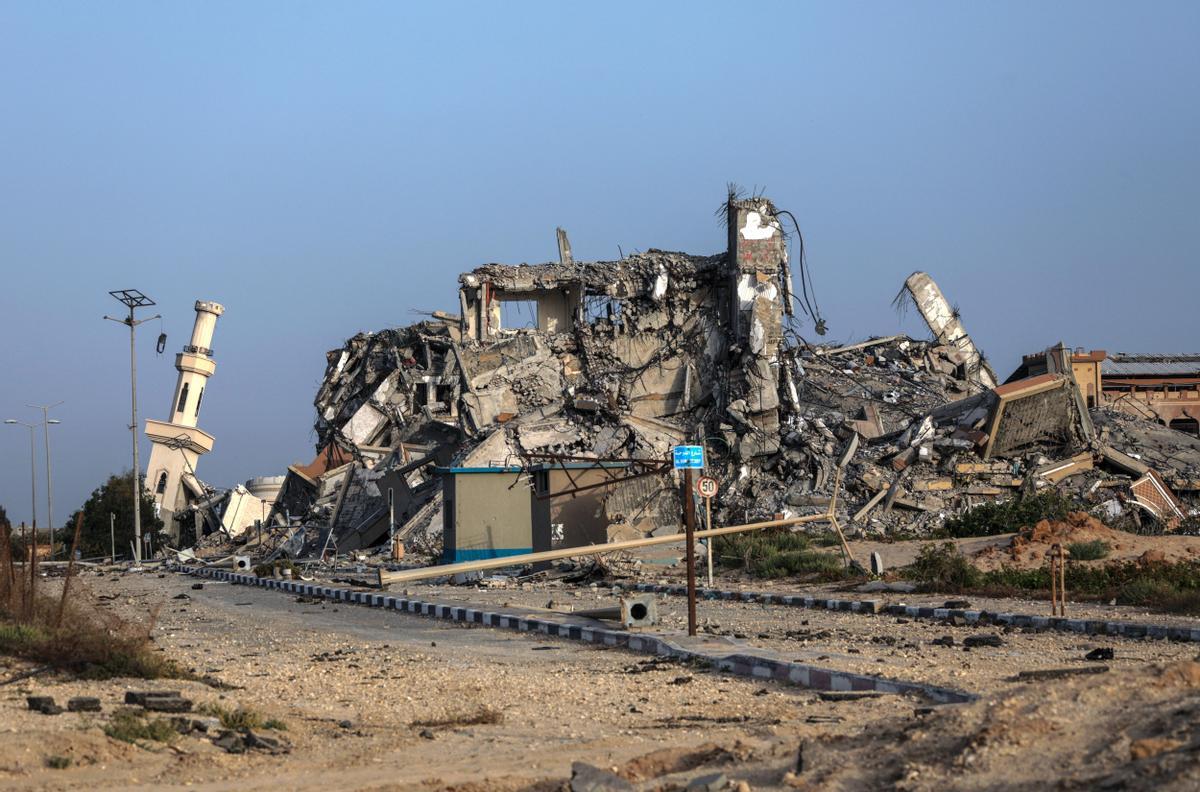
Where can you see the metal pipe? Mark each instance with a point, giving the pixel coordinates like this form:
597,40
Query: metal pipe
442,570
133,427
33,483
32,469
132,298
46,422
689,523
613,612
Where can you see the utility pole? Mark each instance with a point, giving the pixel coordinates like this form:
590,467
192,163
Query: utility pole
112,536
132,298
32,471
689,522
46,421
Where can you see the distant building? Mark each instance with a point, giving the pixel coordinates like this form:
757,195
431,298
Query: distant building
1164,388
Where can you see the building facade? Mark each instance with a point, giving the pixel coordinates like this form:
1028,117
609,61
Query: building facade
1163,388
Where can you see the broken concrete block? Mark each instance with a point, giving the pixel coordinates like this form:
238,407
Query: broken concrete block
230,742
153,704
43,704
988,639
83,704
158,701
264,743
712,782
905,458
586,778
138,697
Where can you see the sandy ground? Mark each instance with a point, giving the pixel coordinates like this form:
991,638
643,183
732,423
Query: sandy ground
1031,548
896,648
354,684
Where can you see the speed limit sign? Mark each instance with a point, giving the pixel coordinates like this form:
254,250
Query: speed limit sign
706,487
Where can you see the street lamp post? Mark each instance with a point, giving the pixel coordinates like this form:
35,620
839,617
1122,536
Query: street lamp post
32,472
132,298
46,422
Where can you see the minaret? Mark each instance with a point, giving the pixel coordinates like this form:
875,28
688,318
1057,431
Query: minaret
177,442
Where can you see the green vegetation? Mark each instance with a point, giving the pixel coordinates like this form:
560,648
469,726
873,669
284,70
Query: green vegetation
1089,551
115,496
131,726
943,568
240,718
777,554
989,519
1171,587
58,762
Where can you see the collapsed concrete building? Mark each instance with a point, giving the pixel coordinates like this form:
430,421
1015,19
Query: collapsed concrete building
565,372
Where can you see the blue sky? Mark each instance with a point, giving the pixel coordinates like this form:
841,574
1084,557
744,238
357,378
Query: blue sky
327,168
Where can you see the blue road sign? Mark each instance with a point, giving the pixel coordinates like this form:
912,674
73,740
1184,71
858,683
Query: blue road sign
688,456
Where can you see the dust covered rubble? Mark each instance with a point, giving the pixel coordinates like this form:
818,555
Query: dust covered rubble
624,359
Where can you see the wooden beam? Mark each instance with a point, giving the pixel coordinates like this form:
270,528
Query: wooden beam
863,345
871,504
441,570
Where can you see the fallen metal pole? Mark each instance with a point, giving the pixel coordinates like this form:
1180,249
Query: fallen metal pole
424,573
613,613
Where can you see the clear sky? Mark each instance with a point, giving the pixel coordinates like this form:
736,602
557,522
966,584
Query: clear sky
322,169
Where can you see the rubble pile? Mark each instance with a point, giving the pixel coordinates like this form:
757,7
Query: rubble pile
618,361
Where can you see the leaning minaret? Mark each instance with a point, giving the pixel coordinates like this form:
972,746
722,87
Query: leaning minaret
177,442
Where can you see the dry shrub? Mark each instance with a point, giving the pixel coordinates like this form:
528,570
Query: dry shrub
235,719
86,640
131,726
480,717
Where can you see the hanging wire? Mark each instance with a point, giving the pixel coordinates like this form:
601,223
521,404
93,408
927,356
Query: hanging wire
808,298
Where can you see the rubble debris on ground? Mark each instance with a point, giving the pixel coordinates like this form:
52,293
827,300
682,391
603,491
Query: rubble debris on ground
620,360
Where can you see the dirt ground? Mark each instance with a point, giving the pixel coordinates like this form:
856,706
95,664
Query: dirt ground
361,691
1030,549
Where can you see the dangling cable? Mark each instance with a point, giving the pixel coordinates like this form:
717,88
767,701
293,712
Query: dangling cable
808,301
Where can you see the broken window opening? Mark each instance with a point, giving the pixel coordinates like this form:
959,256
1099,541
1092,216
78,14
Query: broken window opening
1186,425
199,398
183,394
598,309
161,487
518,314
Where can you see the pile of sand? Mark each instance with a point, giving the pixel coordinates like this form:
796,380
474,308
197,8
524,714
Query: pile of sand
1030,548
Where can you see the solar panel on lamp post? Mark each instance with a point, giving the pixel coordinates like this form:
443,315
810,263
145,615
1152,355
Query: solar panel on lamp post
132,298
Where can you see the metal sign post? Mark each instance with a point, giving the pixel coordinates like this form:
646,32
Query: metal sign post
688,458
391,516
706,487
